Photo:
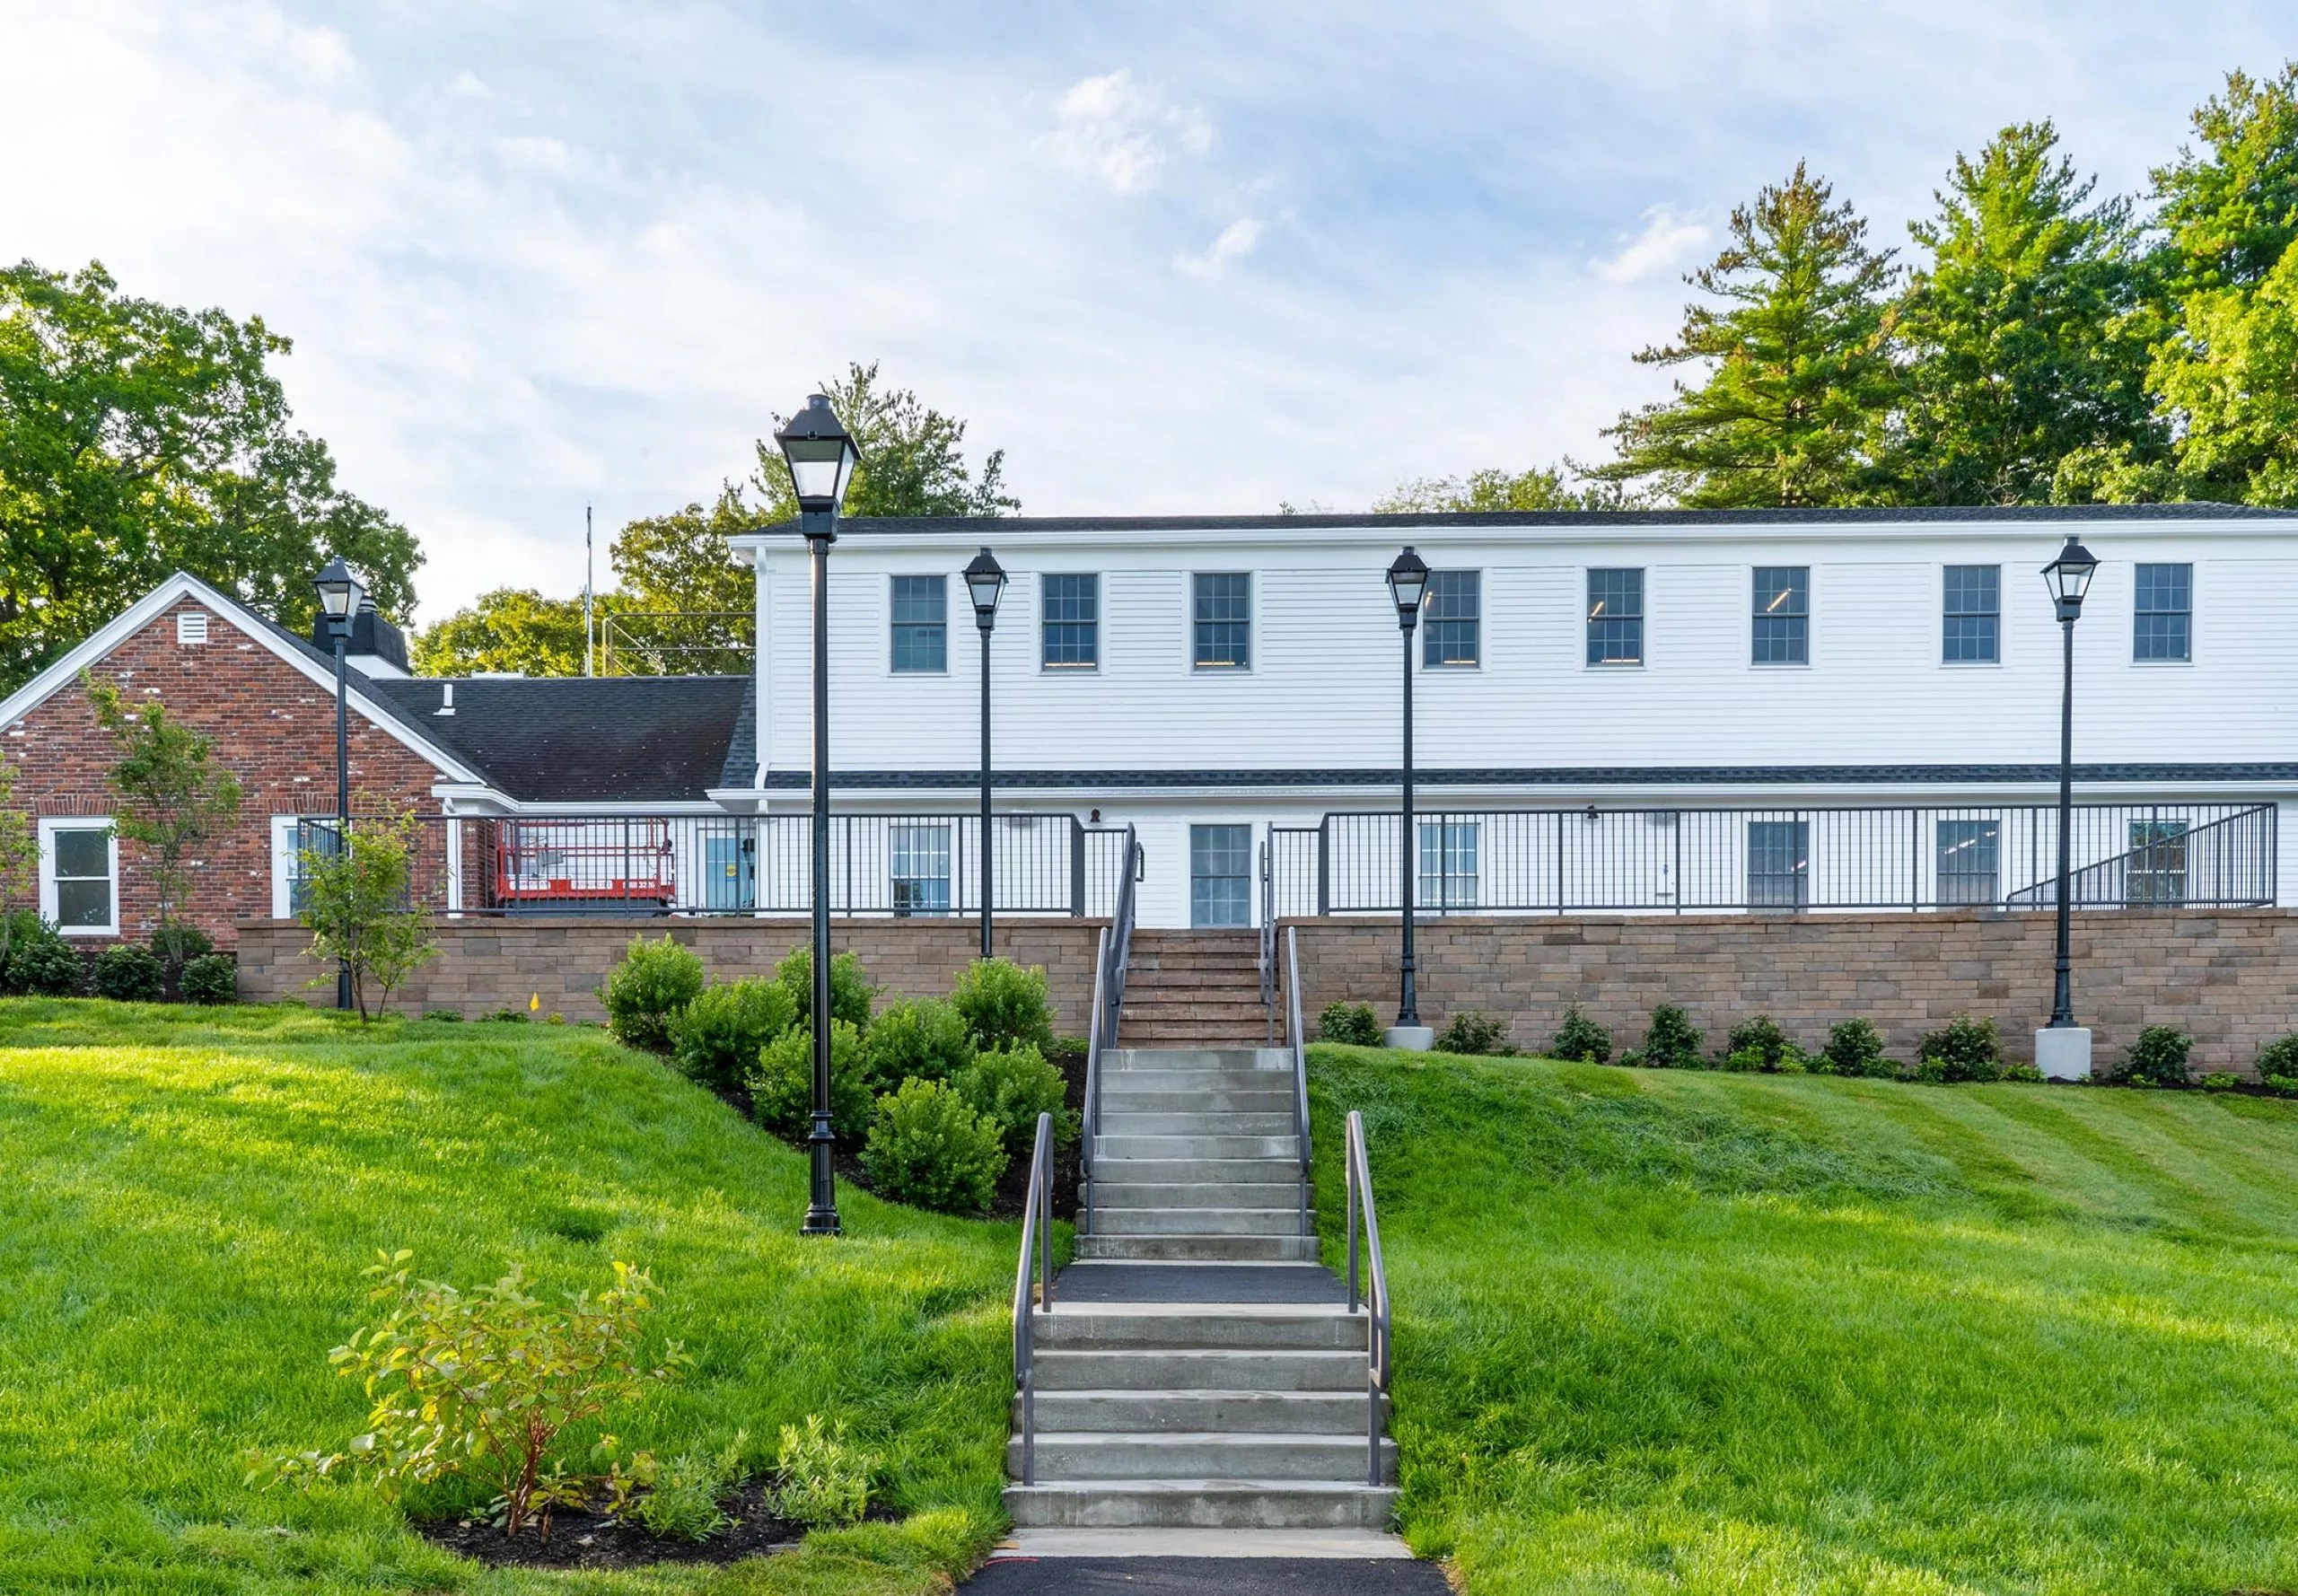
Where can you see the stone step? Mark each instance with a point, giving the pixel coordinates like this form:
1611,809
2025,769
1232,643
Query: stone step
1125,1120
1228,1412
1197,1454
1201,1369
1111,1220
1189,1171
1188,1249
1279,1196
1286,1146
1216,1094
1202,1504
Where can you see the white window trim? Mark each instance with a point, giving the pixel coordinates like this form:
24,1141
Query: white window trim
1643,659
1483,633
49,826
1938,618
947,640
282,865
1252,622
1100,632
1810,615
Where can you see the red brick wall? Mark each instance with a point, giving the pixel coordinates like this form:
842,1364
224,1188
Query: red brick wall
274,728
2227,977
488,964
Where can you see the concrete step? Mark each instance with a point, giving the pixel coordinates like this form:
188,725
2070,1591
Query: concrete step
1247,1058
1286,1146
1229,1412
1277,1195
1122,1119
1188,1172
1261,1326
1197,1454
1181,1030
1202,1504
1215,1095
1187,1249
1201,1369
1114,1220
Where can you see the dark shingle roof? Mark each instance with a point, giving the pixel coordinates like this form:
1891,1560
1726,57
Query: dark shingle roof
577,740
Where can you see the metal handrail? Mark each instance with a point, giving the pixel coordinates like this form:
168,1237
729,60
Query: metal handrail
1298,1039
1036,1265
1376,1297
1109,1007
1265,961
1093,1078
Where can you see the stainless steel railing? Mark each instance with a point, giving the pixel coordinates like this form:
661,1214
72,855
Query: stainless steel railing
1110,969
1035,1270
1298,1039
1373,1296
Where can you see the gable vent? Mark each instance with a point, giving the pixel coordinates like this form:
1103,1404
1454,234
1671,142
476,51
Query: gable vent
191,626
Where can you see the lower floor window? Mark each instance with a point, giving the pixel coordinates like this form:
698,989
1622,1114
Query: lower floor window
79,876
2157,871
1220,875
1779,857
1448,864
919,859
1970,865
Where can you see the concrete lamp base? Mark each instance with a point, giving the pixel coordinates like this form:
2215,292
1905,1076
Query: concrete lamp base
2063,1052
1412,1039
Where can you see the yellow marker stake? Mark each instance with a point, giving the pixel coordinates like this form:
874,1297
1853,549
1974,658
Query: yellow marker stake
534,1002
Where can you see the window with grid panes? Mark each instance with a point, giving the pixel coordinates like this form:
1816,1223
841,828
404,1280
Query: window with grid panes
1451,618
1222,612
1783,615
1616,617
921,640
1072,623
2164,621
1972,622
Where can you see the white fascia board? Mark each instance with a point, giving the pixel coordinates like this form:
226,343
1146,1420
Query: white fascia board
183,585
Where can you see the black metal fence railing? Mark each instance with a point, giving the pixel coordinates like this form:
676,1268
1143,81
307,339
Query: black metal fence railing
1688,861
897,865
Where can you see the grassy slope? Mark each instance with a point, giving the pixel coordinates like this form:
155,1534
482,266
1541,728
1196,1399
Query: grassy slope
189,1199
1698,1333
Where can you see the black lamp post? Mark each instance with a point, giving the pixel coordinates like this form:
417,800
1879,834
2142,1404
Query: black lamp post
822,458
984,585
1407,586
2068,577
340,593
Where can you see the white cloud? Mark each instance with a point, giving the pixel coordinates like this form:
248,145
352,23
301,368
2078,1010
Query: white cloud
1668,239
1111,129
1241,238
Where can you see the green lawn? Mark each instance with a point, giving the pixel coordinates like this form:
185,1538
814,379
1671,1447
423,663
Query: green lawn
187,1199
1699,1333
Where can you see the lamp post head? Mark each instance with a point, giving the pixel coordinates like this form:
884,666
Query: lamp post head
2068,577
340,593
985,584
1407,586
821,454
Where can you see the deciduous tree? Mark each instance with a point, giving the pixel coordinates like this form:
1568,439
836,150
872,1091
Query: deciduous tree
1538,490
512,629
360,904
173,796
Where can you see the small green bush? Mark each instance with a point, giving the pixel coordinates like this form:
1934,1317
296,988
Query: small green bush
652,982
1004,1004
2221,1081
2157,1058
1068,1046
178,942
1473,1033
2281,1085
1855,1048
716,1040
507,1015
825,1482
1010,1088
445,1016
1759,1036
850,991
21,931
1963,1050
1349,1022
929,1147
782,1086
211,977
1581,1038
683,1503
926,1040
51,968
1672,1042
129,974
2279,1058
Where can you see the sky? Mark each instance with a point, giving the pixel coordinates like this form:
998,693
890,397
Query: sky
1171,258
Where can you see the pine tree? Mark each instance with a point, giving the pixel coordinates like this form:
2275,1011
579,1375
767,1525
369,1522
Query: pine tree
1800,375
2024,336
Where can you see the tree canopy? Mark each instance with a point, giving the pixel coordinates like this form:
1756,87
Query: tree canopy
1539,488
512,629
912,458
138,438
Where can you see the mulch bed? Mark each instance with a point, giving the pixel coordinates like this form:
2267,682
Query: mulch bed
581,1539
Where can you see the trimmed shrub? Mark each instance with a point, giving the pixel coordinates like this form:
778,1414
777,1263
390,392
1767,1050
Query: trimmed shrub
1349,1022
2279,1058
1581,1040
825,1482
1758,1044
1010,1088
49,969
1473,1033
1855,1048
177,943
850,991
447,1016
682,1504
2219,1080
716,1040
1963,1050
1004,1004
2157,1058
1672,1042
922,1040
928,1147
210,978
782,1086
652,982
129,974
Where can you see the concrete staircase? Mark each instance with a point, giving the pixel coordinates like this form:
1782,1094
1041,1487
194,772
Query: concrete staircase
1195,988
1163,1400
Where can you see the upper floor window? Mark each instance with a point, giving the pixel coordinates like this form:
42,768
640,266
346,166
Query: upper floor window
921,623
1783,616
1615,618
1452,617
79,876
1223,612
1072,623
2164,622
1971,617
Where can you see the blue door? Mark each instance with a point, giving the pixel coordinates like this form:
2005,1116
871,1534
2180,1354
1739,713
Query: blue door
728,880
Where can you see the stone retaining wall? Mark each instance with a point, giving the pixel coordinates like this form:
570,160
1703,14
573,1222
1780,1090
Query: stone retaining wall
484,965
2228,978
